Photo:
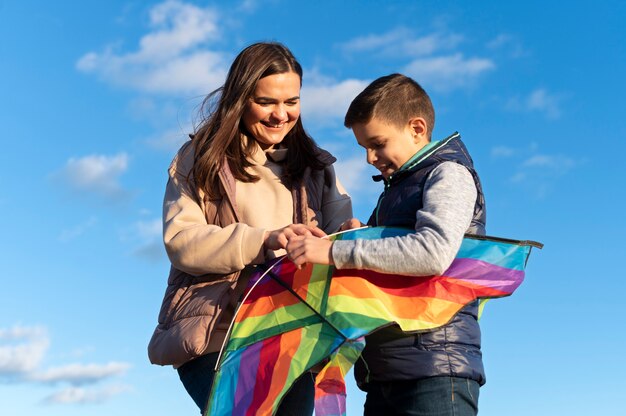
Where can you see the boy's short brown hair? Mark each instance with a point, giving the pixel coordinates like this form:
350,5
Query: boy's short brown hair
394,99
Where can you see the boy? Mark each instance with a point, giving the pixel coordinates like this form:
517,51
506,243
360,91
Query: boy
431,186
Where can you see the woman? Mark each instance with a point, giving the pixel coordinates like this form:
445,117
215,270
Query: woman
249,179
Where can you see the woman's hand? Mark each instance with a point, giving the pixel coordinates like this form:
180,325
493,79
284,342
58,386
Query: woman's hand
277,239
309,249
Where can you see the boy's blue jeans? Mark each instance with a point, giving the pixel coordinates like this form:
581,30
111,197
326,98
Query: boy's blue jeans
433,396
197,377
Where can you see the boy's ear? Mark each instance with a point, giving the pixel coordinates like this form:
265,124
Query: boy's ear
419,128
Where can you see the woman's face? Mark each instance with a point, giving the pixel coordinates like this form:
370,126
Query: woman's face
273,109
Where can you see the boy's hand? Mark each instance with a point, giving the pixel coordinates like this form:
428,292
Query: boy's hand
351,224
309,249
277,239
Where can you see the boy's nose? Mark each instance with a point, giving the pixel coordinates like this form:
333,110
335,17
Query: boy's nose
371,156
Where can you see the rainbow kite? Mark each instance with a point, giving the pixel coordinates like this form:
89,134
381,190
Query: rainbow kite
292,320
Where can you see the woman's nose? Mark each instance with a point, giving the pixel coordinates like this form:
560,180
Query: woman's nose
279,113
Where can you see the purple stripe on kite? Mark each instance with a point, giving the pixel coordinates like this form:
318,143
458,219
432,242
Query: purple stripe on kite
246,380
276,268
330,405
485,274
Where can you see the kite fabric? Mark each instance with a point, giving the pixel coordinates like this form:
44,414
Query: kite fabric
292,320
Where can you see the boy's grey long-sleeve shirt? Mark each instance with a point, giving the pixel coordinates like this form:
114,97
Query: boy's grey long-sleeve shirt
448,205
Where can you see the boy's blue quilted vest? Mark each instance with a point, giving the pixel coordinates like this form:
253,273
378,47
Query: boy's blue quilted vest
453,350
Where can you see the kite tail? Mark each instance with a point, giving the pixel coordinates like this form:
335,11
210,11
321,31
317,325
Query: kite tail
330,387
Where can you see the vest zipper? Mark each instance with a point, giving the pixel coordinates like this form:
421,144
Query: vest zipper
380,199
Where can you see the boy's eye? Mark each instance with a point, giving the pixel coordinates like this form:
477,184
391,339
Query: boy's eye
291,103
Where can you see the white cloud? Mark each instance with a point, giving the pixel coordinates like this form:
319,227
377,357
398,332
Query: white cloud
98,174
555,163
152,251
78,230
374,41
162,115
150,229
78,395
499,41
77,374
353,173
170,58
539,173
170,140
446,73
509,43
519,177
22,349
402,42
538,100
434,59
321,102
180,26
248,6
20,332
502,151
151,244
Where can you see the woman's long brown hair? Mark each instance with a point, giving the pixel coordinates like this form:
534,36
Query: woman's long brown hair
218,138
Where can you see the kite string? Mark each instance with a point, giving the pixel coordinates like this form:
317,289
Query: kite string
293,292
239,305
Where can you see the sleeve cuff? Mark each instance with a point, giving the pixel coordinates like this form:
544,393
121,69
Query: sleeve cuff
342,254
254,250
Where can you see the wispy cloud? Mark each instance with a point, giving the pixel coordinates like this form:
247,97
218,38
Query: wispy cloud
331,100
248,6
434,60
149,233
22,353
78,395
402,42
22,349
77,230
170,140
502,151
95,174
352,172
79,374
499,41
171,58
509,43
179,54
445,73
538,171
556,164
149,229
539,100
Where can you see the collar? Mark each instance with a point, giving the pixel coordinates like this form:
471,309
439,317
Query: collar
421,155
261,157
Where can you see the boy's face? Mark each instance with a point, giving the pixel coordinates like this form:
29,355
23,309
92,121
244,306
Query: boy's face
388,147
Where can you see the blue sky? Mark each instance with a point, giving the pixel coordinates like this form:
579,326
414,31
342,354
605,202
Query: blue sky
95,97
